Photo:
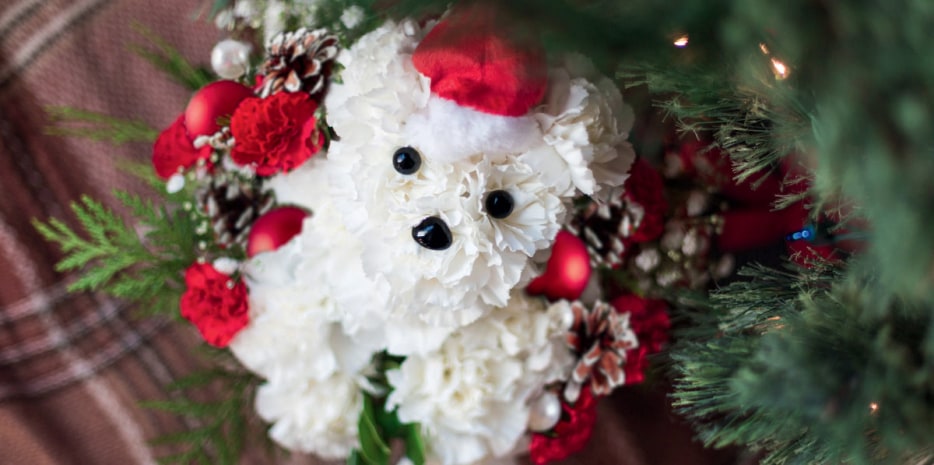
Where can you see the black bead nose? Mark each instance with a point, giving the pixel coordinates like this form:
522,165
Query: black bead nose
432,233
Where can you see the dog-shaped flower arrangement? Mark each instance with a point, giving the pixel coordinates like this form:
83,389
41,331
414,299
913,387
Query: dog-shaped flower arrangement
395,285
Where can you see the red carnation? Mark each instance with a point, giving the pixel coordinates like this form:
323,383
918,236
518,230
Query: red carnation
649,320
214,304
571,433
645,187
277,133
173,150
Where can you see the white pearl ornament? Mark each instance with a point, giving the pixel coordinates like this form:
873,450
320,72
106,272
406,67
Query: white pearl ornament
230,58
544,412
175,183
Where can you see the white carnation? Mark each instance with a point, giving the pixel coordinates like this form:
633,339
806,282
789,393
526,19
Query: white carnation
307,336
312,368
314,416
471,395
586,121
537,214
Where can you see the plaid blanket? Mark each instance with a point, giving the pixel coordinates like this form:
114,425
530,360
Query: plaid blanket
73,368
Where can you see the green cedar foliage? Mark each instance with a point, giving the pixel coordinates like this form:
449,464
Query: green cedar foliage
74,122
221,425
170,61
143,265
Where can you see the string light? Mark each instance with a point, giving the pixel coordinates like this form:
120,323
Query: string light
873,407
781,70
681,41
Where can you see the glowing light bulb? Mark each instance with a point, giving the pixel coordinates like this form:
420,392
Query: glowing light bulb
681,41
873,407
764,48
781,70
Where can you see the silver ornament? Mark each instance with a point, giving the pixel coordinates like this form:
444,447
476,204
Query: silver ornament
175,183
230,58
544,412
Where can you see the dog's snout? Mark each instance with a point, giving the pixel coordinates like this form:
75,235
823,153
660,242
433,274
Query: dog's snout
432,233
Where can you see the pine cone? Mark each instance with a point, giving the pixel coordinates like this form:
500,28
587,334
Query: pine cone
298,61
637,215
604,227
231,205
601,336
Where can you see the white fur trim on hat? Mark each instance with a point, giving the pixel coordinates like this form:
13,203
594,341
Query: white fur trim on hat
447,132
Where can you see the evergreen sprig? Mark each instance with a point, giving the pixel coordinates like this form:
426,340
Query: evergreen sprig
800,364
757,126
142,265
75,122
222,423
169,60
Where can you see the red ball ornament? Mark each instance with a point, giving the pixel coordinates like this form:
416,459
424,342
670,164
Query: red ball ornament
567,271
215,100
274,229
749,229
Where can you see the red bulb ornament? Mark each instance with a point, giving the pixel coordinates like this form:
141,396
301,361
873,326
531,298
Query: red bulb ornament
274,229
213,101
567,272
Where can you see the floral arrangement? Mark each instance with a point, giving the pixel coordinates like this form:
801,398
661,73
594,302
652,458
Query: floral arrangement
380,232
405,239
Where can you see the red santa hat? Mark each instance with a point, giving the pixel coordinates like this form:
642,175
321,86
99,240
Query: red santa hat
485,81
473,62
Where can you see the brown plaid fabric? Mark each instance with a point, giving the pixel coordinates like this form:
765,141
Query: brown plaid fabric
73,368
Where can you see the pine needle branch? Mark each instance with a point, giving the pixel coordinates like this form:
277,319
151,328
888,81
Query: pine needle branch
804,365
74,122
169,60
757,127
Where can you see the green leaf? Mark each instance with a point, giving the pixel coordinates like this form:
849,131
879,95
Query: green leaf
354,458
373,448
415,444
389,423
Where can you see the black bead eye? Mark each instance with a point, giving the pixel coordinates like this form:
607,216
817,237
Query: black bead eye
499,204
432,233
406,160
